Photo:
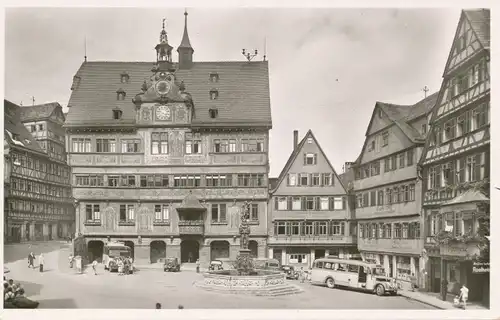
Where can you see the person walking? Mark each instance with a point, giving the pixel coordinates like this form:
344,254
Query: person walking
41,261
197,265
94,266
464,295
301,275
31,258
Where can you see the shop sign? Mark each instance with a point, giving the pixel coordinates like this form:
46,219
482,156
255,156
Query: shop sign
480,267
460,250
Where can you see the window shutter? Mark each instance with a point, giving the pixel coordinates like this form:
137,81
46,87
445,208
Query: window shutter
315,158
332,180
438,176
275,228
316,205
342,228
275,203
305,159
477,169
301,228
344,203
486,162
288,228
321,179
288,179
330,203
462,170
303,200
309,179
298,179
289,203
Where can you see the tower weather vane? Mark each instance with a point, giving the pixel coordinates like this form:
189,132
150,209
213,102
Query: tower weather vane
248,55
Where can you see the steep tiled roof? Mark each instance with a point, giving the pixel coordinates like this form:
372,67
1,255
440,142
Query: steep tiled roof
37,112
294,155
13,127
402,115
273,182
480,23
243,92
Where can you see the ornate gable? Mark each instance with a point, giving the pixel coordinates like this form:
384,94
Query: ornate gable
163,98
465,45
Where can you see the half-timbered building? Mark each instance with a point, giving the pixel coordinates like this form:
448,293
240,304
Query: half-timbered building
386,189
38,202
456,163
165,153
309,216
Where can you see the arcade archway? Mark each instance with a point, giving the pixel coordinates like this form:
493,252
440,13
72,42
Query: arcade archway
254,248
219,250
131,245
190,251
157,250
95,249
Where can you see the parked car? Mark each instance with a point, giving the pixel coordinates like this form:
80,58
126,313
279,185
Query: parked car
172,265
215,265
267,264
290,272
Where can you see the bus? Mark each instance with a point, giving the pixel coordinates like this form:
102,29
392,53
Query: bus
113,250
356,274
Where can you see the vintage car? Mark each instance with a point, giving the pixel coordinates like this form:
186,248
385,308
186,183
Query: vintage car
267,264
172,265
215,265
290,272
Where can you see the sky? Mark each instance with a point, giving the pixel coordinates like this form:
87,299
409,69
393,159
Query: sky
327,66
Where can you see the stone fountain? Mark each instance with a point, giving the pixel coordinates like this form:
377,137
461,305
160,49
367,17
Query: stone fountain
244,278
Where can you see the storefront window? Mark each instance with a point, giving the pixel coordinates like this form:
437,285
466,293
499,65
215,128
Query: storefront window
403,268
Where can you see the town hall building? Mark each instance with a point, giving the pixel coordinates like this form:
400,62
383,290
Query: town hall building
164,154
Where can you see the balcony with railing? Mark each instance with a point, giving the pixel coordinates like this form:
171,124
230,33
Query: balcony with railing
191,227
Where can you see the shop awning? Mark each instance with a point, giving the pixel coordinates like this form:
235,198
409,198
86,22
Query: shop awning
469,196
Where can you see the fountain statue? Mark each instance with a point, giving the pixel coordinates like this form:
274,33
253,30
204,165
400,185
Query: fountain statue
244,263
246,278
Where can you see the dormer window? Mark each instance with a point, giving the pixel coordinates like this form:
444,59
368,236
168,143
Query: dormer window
124,77
76,82
214,94
214,77
213,113
120,94
117,114
380,113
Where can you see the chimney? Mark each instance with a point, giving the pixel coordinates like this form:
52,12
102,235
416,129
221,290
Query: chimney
295,139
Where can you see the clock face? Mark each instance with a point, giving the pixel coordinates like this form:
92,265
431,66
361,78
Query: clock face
162,113
162,87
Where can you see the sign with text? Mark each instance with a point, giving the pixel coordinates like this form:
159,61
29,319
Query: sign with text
480,267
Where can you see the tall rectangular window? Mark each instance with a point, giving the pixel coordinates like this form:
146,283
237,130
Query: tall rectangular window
159,143
162,212
130,145
327,179
219,212
323,203
105,145
254,212
385,138
193,143
81,145
338,203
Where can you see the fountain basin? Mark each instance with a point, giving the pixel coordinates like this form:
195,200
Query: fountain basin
262,283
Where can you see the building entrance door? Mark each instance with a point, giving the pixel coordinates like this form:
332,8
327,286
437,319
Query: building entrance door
190,251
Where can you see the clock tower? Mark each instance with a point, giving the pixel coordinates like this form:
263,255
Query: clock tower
164,51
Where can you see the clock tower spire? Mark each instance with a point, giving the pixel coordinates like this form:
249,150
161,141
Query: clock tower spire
164,51
185,49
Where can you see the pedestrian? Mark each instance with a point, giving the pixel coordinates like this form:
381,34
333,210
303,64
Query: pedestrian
197,265
31,258
41,261
464,295
120,267
158,305
301,274
71,259
78,264
190,257
413,280
94,266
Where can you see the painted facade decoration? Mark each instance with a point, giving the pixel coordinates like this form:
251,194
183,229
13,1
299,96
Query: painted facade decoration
162,170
